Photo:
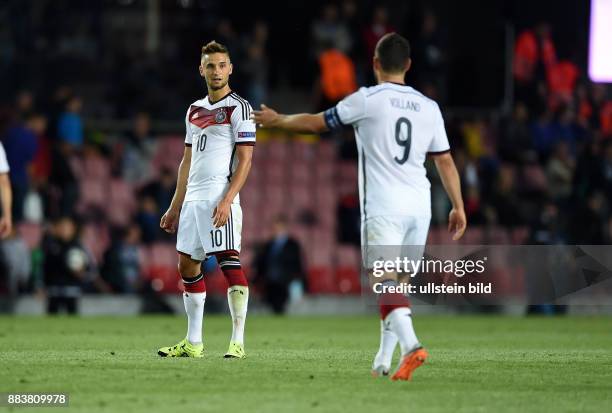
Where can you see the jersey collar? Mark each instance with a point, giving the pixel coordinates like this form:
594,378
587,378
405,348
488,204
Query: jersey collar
220,99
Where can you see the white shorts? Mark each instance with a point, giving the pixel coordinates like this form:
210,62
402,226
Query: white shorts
198,237
392,237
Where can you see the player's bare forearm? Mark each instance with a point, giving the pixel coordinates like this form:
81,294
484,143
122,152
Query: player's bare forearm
301,122
6,194
450,179
181,180
457,222
244,153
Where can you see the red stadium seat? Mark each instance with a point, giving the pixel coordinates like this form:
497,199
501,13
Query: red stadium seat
96,167
321,280
348,280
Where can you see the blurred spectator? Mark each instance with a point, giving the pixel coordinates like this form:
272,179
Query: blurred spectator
587,224
63,192
140,146
338,77
69,123
65,262
20,143
430,56
330,32
278,264
148,217
24,104
505,200
560,173
378,27
255,65
121,269
534,52
515,144
543,134
561,78
162,189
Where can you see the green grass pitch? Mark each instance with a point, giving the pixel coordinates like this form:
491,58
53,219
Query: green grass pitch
314,364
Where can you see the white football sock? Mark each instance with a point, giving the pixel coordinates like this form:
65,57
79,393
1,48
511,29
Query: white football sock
238,300
388,341
400,322
194,307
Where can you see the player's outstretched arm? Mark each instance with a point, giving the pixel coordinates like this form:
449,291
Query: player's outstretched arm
169,220
244,153
301,122
450,179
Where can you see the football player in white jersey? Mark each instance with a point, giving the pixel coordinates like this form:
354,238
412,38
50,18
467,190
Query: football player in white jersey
219,144
396,128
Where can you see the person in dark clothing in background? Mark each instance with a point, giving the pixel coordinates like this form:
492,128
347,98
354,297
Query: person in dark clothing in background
64,265
277,264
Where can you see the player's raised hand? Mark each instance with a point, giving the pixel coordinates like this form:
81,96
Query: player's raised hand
266,117
169,221
457,223
221,214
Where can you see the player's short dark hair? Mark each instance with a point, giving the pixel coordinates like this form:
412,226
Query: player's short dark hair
214,47
393,52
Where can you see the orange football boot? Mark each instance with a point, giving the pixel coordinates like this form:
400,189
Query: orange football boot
410,363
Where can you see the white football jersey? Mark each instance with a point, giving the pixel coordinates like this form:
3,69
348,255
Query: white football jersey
4,166
213,129
395,127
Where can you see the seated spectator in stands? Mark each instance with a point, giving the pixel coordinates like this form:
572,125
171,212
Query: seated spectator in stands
587,224
140,146
20,143
505,199
70,124
121,269
148,217
64,266
161,189
560,173
515,142
543,134
277,265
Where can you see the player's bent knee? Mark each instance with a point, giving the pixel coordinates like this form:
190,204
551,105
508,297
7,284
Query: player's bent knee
188,267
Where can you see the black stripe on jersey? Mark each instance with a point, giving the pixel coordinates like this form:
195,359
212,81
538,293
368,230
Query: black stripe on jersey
364,213
245,106
227,234
438,153
188,145
247,143
229,176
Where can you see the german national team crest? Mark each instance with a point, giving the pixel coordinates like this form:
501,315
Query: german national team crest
220,116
